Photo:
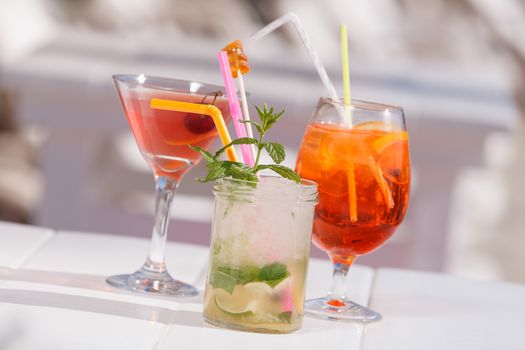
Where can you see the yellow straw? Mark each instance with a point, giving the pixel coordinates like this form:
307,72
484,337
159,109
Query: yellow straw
352,195
210,110
346,72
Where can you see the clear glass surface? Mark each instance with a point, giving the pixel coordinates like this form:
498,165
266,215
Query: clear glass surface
359,157
163,138
259,254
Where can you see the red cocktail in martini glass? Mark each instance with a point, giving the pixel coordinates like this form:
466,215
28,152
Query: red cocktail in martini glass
163,138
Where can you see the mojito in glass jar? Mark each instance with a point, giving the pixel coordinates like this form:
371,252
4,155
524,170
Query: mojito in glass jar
259,254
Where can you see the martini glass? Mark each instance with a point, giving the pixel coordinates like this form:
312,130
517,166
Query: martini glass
163,138
363,177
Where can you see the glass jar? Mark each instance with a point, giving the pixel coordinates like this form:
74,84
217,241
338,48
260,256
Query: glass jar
259,253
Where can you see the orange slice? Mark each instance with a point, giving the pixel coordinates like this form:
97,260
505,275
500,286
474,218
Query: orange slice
380,144
381,126
191,141
394,162
383,185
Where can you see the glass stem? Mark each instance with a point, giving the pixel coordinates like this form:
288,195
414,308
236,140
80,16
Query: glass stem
339,278
165,189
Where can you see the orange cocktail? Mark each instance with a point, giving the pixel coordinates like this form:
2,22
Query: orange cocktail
363,177
358,155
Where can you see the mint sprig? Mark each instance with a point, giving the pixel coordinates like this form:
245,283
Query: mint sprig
218,169
227,278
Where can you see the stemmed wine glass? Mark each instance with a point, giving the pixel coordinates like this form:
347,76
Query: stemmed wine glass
163,138
363,174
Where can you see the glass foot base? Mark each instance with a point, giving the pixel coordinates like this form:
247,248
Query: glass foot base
152,282
340,310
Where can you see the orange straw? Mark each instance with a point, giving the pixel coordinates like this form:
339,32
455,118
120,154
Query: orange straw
352,195
209,110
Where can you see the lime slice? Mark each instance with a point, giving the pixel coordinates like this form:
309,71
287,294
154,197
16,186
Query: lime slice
226,308
257,289
283,287
231,304
260,295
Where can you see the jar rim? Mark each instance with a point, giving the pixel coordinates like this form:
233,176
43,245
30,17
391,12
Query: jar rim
306,191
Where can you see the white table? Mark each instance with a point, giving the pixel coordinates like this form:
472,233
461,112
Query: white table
53,296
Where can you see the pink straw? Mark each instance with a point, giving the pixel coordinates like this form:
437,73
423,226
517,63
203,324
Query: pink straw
235,108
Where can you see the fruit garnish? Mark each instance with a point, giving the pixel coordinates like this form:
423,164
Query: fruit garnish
379,175
283,294
238,60
374,126
232,312
185,142
388,139
384,141
198,123
393,166
235,304
257,288
218,169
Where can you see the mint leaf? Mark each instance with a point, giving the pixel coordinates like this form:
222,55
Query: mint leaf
273,271
281,170
237,170
268,117
243,275
220,169
215,172
275,151
227,278
273,274
222,280
205,154
285,316
241,171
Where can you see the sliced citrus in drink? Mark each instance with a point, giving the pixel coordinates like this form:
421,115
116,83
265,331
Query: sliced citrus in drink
389,150
231,309
257,289
387,139
261,298
393,160
191,139
378,174
283,295
235,304
381,126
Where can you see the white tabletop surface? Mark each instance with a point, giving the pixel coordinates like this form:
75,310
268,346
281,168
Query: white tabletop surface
53,296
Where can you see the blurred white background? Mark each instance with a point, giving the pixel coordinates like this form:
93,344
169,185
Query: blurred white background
68,160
